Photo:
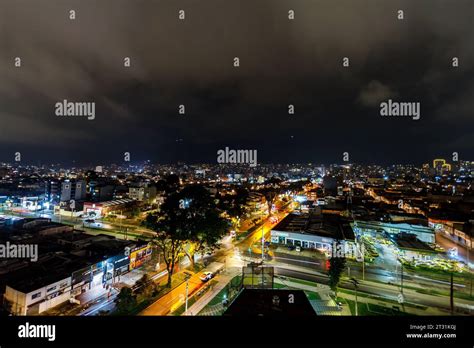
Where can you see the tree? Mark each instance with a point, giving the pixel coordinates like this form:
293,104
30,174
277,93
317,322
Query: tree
188,222
172,183
202,221
239,201
296,186
234,205
145,286
270,192
337,265
207,234
169,238
125,300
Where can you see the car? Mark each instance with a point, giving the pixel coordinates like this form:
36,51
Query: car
298,249
206,276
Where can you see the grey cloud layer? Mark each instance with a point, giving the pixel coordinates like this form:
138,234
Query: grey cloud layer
190,63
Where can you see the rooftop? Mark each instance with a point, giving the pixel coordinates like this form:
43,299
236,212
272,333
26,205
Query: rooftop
271,303
326,225
410,242
59,255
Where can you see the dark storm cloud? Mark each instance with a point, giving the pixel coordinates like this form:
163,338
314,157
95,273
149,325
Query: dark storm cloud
190,62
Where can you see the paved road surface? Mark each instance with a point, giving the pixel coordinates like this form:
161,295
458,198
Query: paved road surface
173,299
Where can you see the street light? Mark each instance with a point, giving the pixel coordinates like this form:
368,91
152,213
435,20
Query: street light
468,261
186,299
401,277
356,284
361,250
186,305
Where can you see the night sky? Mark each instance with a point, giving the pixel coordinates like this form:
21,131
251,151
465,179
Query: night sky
282,62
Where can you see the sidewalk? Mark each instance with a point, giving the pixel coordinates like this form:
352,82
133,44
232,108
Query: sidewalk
223,279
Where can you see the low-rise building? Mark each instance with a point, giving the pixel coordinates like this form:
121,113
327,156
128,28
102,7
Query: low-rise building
70,263
142,193
373,227
99,209
312,231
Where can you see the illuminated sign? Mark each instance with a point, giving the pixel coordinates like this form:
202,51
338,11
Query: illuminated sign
139,255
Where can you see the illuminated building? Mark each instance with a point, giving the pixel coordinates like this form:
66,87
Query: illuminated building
441,167
76,264
312,231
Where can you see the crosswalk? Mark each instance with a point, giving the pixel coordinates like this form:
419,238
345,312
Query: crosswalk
326,307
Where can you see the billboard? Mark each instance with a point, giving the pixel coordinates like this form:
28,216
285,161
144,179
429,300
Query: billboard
139,255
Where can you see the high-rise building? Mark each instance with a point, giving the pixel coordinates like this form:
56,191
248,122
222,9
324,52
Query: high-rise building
73,189
441,166
53,190
438,163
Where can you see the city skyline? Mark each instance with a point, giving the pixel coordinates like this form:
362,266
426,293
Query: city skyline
139,165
